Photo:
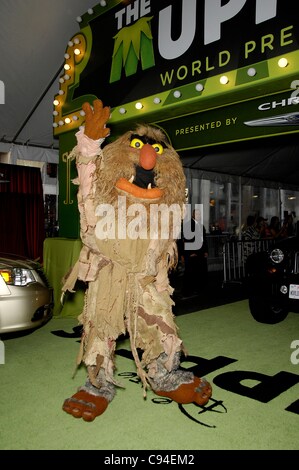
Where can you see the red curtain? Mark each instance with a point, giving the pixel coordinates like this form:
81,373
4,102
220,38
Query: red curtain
22,226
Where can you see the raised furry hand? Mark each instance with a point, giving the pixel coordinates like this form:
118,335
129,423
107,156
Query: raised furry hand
95,120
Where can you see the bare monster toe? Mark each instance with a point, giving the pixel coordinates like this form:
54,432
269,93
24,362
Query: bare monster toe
73,407
85,405
203,391
199,391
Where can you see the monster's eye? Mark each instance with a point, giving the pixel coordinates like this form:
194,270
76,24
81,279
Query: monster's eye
158,148
136,143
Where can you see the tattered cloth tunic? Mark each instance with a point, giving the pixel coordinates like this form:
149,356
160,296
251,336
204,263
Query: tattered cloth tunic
128,287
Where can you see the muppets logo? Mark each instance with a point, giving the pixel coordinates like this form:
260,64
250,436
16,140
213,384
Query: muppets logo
2,93
134,42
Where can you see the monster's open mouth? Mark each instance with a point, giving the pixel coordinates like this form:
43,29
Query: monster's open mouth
141,185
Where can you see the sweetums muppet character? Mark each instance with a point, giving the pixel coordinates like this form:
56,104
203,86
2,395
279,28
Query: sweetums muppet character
125,261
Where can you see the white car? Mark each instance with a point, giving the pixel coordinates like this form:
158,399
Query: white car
26,298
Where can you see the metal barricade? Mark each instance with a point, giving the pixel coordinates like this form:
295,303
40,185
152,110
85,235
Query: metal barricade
215,249
235,253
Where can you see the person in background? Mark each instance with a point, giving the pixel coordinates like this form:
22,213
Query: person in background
194,258
250,235
285,230
250,231
263,227
288,225
275,228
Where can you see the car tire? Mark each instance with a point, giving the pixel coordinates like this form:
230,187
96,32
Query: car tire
267,310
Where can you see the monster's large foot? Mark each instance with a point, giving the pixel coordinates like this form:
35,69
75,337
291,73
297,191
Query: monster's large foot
199,391
85,405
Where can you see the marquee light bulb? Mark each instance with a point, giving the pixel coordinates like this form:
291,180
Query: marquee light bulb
77,51
90,11
251,72
177,94
157,100
198,87
76,41
138,105
283,62
224,80
56,102
67,120
122,110
67,67
102,3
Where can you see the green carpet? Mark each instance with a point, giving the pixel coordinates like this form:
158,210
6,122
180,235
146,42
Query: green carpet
255,390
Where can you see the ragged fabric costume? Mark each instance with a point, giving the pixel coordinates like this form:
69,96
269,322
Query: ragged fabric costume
131,201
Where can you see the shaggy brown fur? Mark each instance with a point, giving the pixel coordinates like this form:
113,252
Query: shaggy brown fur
120,160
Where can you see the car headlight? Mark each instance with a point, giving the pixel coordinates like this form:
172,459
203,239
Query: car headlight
276,255
17,276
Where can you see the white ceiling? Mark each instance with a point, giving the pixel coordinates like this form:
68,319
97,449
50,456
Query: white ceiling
33,39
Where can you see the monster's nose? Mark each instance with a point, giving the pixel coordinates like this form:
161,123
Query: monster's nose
147,157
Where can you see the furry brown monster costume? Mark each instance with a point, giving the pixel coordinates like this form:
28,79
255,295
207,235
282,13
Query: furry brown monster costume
125,260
